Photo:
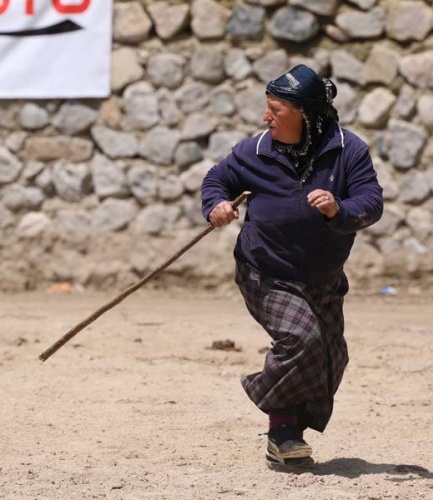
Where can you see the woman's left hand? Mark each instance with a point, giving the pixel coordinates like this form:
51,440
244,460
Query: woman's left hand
324,201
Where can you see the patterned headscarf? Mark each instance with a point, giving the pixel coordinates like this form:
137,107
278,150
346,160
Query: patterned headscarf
314,95
303,86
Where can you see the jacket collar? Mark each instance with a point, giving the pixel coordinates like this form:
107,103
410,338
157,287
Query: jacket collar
332,138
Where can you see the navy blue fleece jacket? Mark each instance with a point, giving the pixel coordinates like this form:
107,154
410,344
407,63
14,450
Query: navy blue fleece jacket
282,236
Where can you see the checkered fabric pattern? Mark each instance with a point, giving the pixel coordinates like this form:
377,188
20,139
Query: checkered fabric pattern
305,363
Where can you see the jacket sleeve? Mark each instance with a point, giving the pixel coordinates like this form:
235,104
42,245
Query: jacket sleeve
364,204
223,182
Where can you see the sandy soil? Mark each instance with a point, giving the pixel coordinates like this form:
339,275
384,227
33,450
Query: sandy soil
139,406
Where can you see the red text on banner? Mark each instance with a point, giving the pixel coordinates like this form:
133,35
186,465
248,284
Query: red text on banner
61,6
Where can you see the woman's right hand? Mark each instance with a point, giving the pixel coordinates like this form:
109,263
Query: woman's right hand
222,214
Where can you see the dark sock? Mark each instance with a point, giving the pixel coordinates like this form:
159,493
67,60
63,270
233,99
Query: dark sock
289,419
278,419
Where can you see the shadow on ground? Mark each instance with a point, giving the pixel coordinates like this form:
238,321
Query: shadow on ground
356,467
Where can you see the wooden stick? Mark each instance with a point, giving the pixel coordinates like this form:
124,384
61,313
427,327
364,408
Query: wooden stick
109,305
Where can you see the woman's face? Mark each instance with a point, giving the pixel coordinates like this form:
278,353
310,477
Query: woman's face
284,119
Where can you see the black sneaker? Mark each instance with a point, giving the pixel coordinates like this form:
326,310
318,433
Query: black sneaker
285,442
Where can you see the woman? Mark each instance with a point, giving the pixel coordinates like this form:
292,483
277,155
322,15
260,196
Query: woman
313,186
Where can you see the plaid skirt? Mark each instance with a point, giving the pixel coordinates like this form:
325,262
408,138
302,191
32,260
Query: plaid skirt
308,354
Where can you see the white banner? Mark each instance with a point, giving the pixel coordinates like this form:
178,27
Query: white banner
55,48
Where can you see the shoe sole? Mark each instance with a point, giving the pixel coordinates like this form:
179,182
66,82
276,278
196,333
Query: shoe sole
297,450
288,464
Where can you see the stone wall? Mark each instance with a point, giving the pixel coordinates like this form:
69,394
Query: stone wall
99,192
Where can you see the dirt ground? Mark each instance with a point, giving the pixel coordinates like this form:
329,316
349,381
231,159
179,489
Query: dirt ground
138,405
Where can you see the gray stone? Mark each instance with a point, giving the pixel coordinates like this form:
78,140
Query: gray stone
272,65
346,102
254,52
407,21
386,179
413,246
362,25
292,24
246,22
322,58
51,148
10,166
321,7
113,143
191,210
391,219
109,273
159,145
141,106
169,20
429,177
188,153
74,118
198,125
17,197
414,188
209,19
406,142
237,65
73,224
166,70
208,65
193,177
170,188
418,69
71,181
427,160
143,182
308,61
217,269
170,112
44,182
32,170
420,222
375,108
192,97
345,66
114,215
33,117
382,144
251,104
381,65
267,3
144,254
156,218
222,100
6,218
364,4
14,141
32,224
109,178
125,68
131,24
365,259
7,114
337,34
221,143
110,112
425,110
406,103
391,248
